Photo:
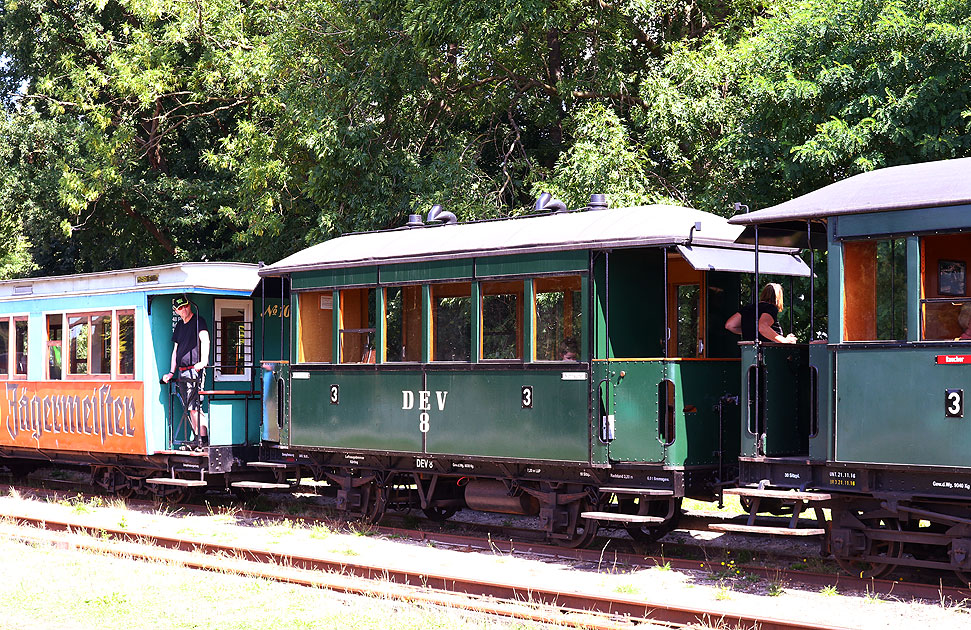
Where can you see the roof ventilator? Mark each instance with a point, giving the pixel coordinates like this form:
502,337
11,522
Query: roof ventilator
546,203
598,202
414,220
437,214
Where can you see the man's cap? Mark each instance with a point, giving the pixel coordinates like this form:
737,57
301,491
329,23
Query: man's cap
180,301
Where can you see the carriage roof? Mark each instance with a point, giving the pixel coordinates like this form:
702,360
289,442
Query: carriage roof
908,187
655,225
178,277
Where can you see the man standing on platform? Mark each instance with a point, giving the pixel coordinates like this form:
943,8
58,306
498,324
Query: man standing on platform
190,355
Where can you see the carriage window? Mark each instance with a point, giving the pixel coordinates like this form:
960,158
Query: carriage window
945,299
357,317
98,344
126,343
502,320
875,290
55,345
90,349
689,308
315,326
13,347
559,311
403,324
452,322
233,339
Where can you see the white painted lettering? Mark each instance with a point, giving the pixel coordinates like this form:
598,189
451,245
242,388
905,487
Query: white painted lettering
407,400
441,400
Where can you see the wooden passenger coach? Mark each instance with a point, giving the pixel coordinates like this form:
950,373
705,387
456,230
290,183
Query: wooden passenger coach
572,365
875,419
80,361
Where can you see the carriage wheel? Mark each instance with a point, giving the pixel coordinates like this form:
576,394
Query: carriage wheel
653,533
439,514
178,496
584,532
377,503
889,549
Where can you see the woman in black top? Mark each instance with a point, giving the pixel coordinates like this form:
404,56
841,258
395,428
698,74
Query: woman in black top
770,305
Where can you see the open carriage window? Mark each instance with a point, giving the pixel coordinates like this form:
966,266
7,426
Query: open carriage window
875,290
945,299
403,324
357,328
315,326
452,322
502,320
559,312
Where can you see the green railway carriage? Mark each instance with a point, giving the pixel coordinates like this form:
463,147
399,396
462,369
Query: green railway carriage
874,421
571,365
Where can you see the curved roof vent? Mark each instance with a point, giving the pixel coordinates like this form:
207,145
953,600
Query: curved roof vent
546,203
437,214
598,202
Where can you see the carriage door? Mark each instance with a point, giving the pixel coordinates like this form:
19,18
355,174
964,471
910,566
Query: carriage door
630,348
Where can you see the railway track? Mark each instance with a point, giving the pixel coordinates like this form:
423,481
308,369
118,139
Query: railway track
507,598
607,551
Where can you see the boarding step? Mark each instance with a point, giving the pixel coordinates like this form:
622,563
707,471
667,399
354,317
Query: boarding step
186,483
259,485
758,529
653,492
269,465
621,518
784,495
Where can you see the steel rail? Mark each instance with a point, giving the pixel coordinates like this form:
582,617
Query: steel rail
626,609
599,556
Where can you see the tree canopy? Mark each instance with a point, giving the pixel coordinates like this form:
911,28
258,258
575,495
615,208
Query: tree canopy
145,131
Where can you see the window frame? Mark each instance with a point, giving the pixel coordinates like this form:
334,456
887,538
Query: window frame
533,301
248,351
114,371
853,289
12,374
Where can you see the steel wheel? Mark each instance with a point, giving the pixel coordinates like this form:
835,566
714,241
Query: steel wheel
889,549
439,514
654,532
584,532
377,502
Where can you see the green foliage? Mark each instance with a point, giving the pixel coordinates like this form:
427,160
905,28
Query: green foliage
147,131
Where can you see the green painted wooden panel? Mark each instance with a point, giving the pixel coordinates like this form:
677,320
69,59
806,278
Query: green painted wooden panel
369,413
345,276
483,415
785,385
698,387
903,221
525,264
890,407
426,271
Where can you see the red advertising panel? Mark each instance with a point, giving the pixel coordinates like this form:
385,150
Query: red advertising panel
953,359
94,416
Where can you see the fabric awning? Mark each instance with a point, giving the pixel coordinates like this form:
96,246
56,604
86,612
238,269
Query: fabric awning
743,260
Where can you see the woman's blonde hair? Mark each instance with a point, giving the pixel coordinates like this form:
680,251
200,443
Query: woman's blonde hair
772,293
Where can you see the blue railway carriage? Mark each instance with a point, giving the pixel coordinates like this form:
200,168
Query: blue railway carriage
875,426
81,358
568,365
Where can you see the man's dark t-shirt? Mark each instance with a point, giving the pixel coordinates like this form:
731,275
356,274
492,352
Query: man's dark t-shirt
750,321
186,338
